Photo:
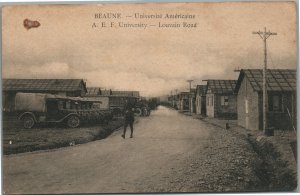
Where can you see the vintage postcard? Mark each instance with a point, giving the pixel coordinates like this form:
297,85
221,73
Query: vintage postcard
149,97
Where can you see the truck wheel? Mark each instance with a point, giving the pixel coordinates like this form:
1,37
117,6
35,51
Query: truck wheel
138,112
73,121
28,122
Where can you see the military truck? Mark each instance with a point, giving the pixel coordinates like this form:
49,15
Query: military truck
34,108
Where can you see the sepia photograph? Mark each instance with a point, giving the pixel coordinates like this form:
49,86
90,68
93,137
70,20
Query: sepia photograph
148,97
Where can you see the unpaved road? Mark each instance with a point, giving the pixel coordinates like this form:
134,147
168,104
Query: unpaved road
146,163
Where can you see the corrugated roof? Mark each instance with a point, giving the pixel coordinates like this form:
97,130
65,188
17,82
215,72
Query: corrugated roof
201,89
277,79
126,93
93,91
221,86
105,91
53,96
43,84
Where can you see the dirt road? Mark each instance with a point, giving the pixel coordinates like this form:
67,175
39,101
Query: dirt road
151,161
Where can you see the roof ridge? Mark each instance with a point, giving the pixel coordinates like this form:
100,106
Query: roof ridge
43,84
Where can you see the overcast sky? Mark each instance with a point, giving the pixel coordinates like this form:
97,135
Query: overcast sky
153,61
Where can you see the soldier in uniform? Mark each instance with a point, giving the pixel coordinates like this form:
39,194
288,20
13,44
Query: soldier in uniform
129,119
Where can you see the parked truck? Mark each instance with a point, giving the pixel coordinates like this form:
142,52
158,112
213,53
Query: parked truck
34,108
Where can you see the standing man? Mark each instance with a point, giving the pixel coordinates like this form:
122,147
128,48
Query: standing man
129,119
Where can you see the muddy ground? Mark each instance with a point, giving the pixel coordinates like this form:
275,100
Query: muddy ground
169,152
16,139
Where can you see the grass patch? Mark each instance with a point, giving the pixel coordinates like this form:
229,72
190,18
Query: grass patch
18,140
271,169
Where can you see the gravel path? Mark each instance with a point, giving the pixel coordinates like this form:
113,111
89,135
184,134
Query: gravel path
170,152
223,163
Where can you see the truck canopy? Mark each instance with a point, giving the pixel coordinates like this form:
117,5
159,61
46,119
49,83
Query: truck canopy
30,102
37,101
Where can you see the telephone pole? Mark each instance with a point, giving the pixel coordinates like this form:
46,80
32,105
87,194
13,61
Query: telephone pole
264,36
190,82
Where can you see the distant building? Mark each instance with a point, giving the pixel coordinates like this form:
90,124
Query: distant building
201,100
183,101
281,90
95,94
192,100
64,87
105,92
119,99
126,93
177,101
221,102
114,100
93,91
172,99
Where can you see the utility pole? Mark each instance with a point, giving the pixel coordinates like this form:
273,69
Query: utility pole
190,82
264,36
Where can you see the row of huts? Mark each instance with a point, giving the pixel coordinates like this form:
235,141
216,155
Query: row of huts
110,99
242,99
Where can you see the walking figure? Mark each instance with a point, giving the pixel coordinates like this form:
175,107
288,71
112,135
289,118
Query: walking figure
129,119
